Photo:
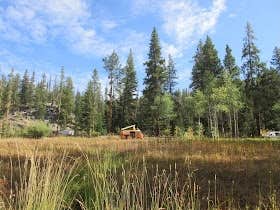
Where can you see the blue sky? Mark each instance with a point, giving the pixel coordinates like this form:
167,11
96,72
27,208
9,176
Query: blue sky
43,35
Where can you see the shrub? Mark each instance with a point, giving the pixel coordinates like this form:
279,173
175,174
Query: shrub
178,132
189,134
37,130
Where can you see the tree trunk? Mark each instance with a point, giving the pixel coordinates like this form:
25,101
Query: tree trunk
230,124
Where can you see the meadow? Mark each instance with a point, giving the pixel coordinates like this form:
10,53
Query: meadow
109,173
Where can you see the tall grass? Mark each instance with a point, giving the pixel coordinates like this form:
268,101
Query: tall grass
115,180
44,183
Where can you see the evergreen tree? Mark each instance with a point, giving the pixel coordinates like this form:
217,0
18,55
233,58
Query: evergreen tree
154,85
112,66
40,100
171,75
197,69
155,70
230,65
267,95
32,90
88,110
251,60
7,96
25,97
128,98
15,84
207,66
65,117
78,113
275,61
98,103
251,69
92,107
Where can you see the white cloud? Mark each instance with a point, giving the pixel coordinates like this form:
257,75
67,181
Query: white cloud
109,24
185,20
141,7
39,21
170,49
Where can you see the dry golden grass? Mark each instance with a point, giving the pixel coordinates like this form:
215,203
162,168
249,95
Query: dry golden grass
243,169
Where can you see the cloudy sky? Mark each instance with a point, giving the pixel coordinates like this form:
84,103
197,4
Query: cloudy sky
43,35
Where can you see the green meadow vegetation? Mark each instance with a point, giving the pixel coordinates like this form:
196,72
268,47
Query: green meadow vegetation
154,173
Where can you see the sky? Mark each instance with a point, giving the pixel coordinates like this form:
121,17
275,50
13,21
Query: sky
43,35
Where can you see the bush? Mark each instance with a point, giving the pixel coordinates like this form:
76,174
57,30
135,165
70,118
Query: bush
37,130
189,134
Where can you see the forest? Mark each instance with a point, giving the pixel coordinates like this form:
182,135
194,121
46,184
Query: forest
223,100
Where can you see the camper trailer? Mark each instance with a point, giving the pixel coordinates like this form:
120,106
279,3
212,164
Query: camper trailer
273,134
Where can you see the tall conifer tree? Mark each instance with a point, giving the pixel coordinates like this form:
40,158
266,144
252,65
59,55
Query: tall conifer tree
230,65
154,85
128,98
275,61
171,75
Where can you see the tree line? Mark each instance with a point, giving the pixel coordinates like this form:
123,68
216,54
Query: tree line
224,99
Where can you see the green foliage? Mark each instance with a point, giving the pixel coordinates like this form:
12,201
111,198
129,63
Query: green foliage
41,95
199,130
113,67
276,115
128,98
189,134
207,66
275,61
66,107
154,87
162,113
78,113
220,102
267,94
178,132
171,75
230,65
37,129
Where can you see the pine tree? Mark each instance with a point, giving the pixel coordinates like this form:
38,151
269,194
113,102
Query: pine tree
267,95
7,96
112,66
92,107
88,110
78,113
207,66
211,64
155,69
154,85
65,117
40,99
275,61
251,69
32,90
25,97
230,65
98,103
251,60
171,75
197,69
128,98
15,85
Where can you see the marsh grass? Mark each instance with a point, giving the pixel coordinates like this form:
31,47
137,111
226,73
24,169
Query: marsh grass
151,174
